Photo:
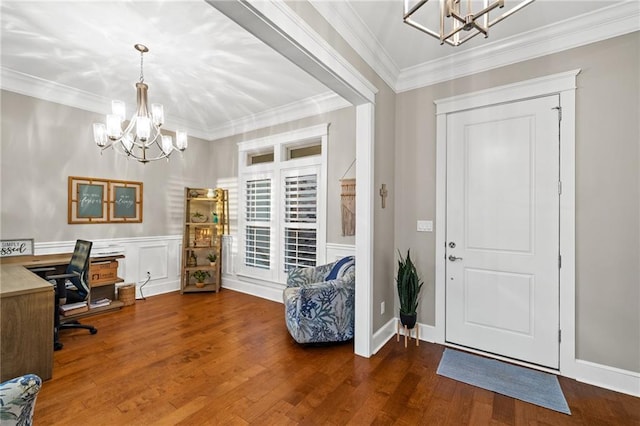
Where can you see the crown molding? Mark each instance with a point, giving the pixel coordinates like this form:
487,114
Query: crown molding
595,26
608,22
280,27
325,102
29,85
317,46
36,87
611,21
341,16
51,91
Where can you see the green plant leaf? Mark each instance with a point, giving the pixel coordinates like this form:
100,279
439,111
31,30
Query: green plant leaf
408,283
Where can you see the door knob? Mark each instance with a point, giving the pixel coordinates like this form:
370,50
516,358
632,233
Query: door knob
453,258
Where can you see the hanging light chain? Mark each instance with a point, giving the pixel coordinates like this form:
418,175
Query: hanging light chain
142,49
141,68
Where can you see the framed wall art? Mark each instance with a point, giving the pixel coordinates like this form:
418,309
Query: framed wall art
125,201
95,200
87,200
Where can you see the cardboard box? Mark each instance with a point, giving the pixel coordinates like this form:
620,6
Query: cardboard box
103,272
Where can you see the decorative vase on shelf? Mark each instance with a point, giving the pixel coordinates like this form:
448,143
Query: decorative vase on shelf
199,284
192,260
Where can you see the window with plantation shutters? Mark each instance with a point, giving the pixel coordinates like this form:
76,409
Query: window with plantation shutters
281,201
300,220
257,246
258,200
257,221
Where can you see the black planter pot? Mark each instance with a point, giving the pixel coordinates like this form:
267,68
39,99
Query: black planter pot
408,320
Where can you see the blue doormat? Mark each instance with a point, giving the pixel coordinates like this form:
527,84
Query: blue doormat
517,382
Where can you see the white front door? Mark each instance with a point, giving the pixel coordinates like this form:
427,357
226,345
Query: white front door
502,230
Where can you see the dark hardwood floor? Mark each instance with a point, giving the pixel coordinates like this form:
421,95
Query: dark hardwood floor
227,358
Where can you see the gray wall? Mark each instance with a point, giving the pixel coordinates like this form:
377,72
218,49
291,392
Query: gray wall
43,143
607,188
384,166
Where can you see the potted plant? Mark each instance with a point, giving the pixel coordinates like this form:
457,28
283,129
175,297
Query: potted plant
212,258
198,217
200,276
409,285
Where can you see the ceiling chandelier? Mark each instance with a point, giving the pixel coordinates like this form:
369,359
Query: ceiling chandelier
141,139
457,16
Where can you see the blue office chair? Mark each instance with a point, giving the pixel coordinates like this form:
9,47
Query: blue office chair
76,274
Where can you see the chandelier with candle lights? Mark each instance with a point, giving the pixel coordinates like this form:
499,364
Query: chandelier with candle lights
141,139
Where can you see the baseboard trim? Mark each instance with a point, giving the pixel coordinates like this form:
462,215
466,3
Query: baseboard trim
336,251
604,376
383,335
388,332
259,290
151,289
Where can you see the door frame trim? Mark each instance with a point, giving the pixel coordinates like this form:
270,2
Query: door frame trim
564,85
281,28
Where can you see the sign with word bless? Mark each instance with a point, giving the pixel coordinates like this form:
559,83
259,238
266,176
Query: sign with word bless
22,247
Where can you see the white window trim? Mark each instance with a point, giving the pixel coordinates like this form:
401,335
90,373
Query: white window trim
280,143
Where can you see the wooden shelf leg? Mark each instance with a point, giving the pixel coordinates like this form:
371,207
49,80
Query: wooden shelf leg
405,336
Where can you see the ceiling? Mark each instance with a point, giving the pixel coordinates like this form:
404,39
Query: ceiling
213,77
409,47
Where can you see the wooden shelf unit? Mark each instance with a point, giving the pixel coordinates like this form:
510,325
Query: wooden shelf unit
100,290
206,216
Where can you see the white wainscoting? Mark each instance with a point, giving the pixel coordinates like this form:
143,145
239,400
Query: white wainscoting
338,251
160,256
267,289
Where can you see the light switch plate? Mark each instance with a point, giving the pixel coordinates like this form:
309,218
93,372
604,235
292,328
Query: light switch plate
425,226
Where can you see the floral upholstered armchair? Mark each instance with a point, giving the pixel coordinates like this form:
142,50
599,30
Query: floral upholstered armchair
319,302
18,400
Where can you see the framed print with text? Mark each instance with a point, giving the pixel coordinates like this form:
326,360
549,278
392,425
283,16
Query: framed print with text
94,200
87,202
125,201
21,247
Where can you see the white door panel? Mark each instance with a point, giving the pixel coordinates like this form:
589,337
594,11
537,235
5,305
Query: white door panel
502,293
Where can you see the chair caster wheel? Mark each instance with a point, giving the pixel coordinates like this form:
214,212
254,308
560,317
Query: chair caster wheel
94,331
57,346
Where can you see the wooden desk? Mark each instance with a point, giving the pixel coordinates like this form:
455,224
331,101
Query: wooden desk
98,290
26,313
37,261
26,323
